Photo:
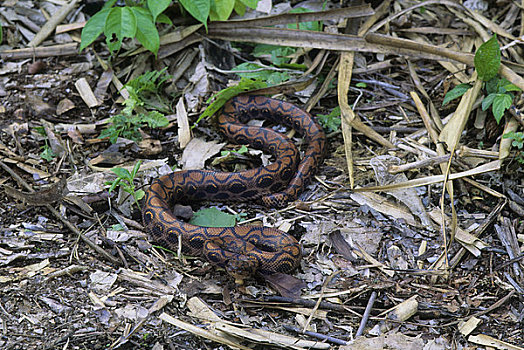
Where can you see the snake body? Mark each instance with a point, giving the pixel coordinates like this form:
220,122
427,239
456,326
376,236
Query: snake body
242,250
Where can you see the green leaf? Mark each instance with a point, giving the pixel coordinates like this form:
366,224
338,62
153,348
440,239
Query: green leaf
154,119
122,173
223,96
500,104
146,31
272,77
487,101
315,26
456,92
212,217
113,184
331,122
162,18
240,8
507,86
135,169
492,85
199,9
40,130
156,7
120,22
109,4
93,28
250,3
243,149
278,54
487,59
47,153
117,227
221,10
139,195
518,138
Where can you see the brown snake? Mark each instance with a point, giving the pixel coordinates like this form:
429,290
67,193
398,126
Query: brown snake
242,250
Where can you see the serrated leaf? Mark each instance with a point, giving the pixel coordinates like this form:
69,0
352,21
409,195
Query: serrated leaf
199,9
511,87
221,10
492,85
212,217
156,7
487,101
487,59
456,92
155,119
47,154
93,28
146,31
500,104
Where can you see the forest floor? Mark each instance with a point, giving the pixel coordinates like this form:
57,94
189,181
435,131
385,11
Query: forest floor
432,261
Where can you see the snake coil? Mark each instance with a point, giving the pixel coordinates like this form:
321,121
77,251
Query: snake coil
242,250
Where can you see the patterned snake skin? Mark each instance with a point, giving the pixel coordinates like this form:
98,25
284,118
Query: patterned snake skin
242,250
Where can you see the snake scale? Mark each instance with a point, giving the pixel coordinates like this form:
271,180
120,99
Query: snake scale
241,250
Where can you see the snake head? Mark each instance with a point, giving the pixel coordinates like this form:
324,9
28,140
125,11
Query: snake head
241,268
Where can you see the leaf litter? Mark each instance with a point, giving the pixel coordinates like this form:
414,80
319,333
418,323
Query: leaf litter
421,252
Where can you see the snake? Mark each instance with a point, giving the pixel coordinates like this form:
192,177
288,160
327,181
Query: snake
242,250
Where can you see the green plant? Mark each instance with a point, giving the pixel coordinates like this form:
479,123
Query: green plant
331,122
279,55
212,217
499,96
243,149
146,89
125,180
487,64
518,141
271,75
499,90
135,20
226,94
144,92
518,138
216,10
47,152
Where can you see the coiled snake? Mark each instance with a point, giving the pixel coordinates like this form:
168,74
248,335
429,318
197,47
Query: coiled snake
242,250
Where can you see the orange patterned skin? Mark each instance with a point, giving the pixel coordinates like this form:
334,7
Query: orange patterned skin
242,250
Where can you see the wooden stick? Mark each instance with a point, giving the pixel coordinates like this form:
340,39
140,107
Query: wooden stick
50,25
43,51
